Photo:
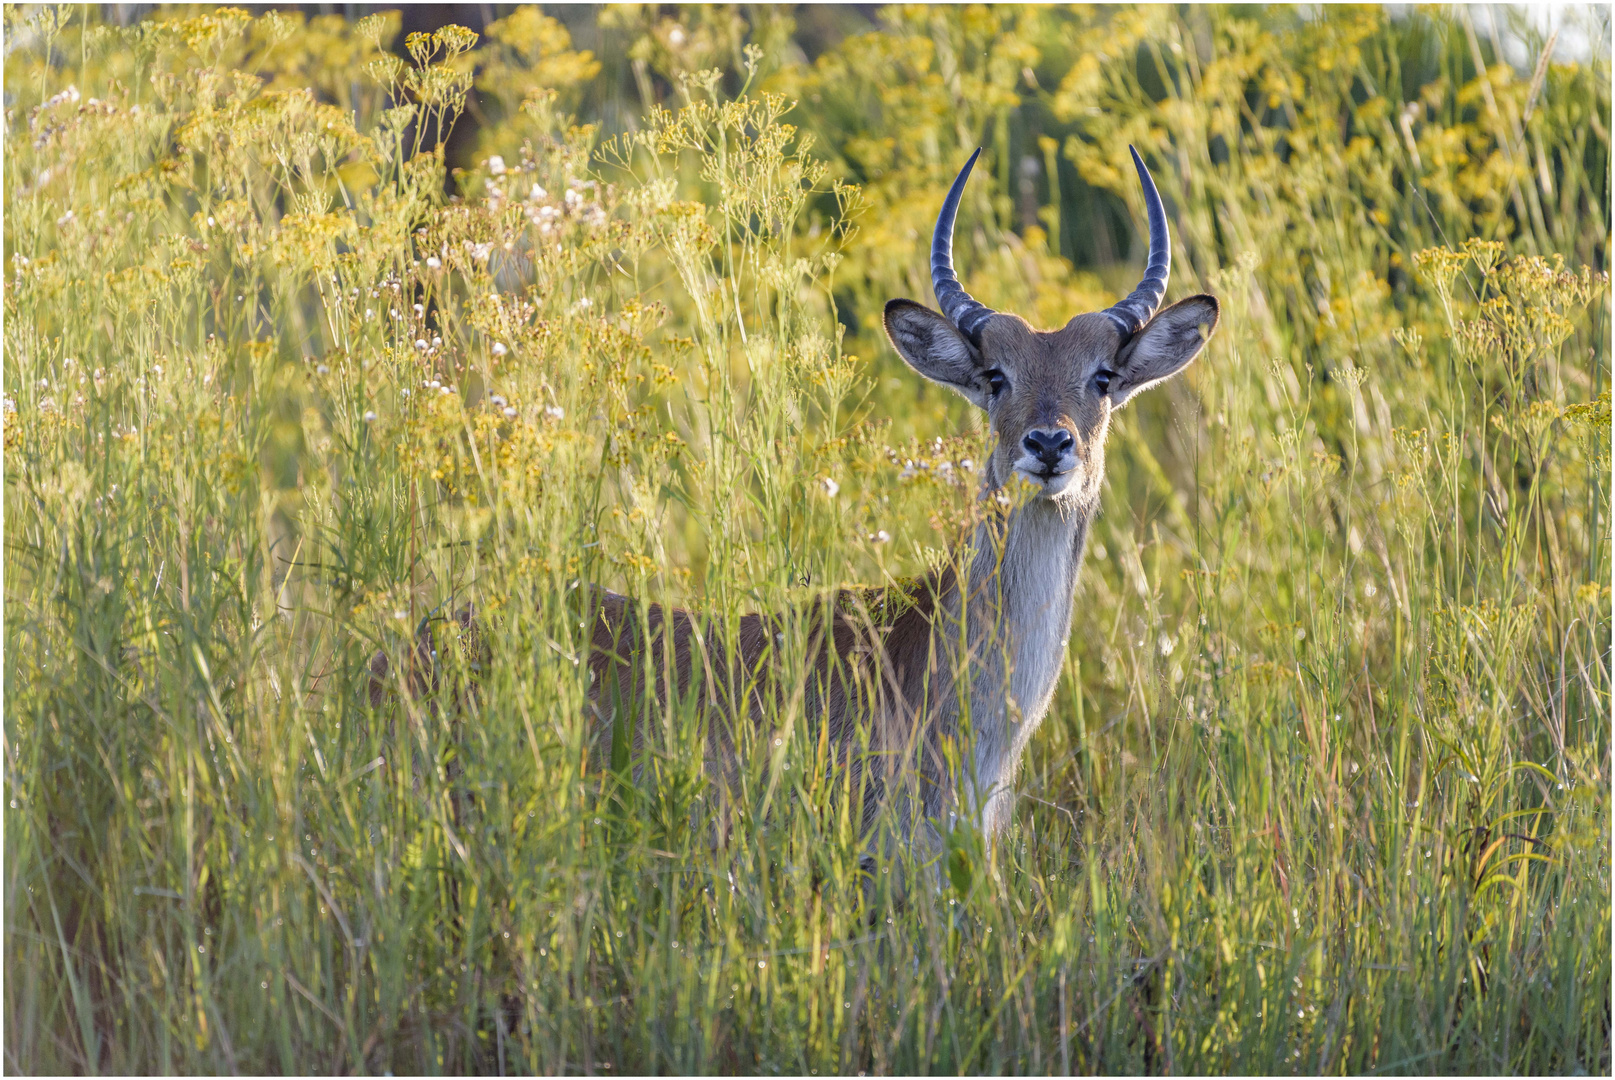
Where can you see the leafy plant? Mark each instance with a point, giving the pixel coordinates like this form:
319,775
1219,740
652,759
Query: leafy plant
1326,785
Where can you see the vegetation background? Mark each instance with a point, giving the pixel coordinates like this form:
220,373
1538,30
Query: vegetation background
315,332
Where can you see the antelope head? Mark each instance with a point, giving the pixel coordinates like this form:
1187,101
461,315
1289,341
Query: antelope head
1049,394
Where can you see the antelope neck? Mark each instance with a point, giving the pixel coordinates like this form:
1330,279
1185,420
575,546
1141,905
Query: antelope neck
1023,579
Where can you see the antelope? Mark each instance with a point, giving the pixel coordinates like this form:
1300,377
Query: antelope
969,657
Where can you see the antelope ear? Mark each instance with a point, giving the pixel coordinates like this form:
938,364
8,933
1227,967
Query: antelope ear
1164,346
935,348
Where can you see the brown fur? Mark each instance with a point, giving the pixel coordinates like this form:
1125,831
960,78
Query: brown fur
895,676
869,657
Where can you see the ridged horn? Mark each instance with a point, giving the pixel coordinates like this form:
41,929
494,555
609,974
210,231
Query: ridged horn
962,311
1135,311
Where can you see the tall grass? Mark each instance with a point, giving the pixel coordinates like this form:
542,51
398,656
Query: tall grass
1326,785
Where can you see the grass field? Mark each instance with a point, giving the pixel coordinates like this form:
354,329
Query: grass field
289,373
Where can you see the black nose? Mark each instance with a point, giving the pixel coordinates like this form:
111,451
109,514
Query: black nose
1048,446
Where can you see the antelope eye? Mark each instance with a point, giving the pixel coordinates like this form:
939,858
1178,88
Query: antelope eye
996,381
1101,380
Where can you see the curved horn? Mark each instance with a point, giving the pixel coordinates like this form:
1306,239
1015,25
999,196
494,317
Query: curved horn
1135,311
962,311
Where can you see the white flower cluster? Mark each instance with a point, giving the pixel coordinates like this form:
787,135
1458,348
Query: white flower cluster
942,469
938,465
70,95
546,216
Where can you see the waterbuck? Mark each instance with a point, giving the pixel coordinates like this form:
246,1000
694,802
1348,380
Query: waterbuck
928,694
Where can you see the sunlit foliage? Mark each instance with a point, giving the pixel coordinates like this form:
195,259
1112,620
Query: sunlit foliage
1326,785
